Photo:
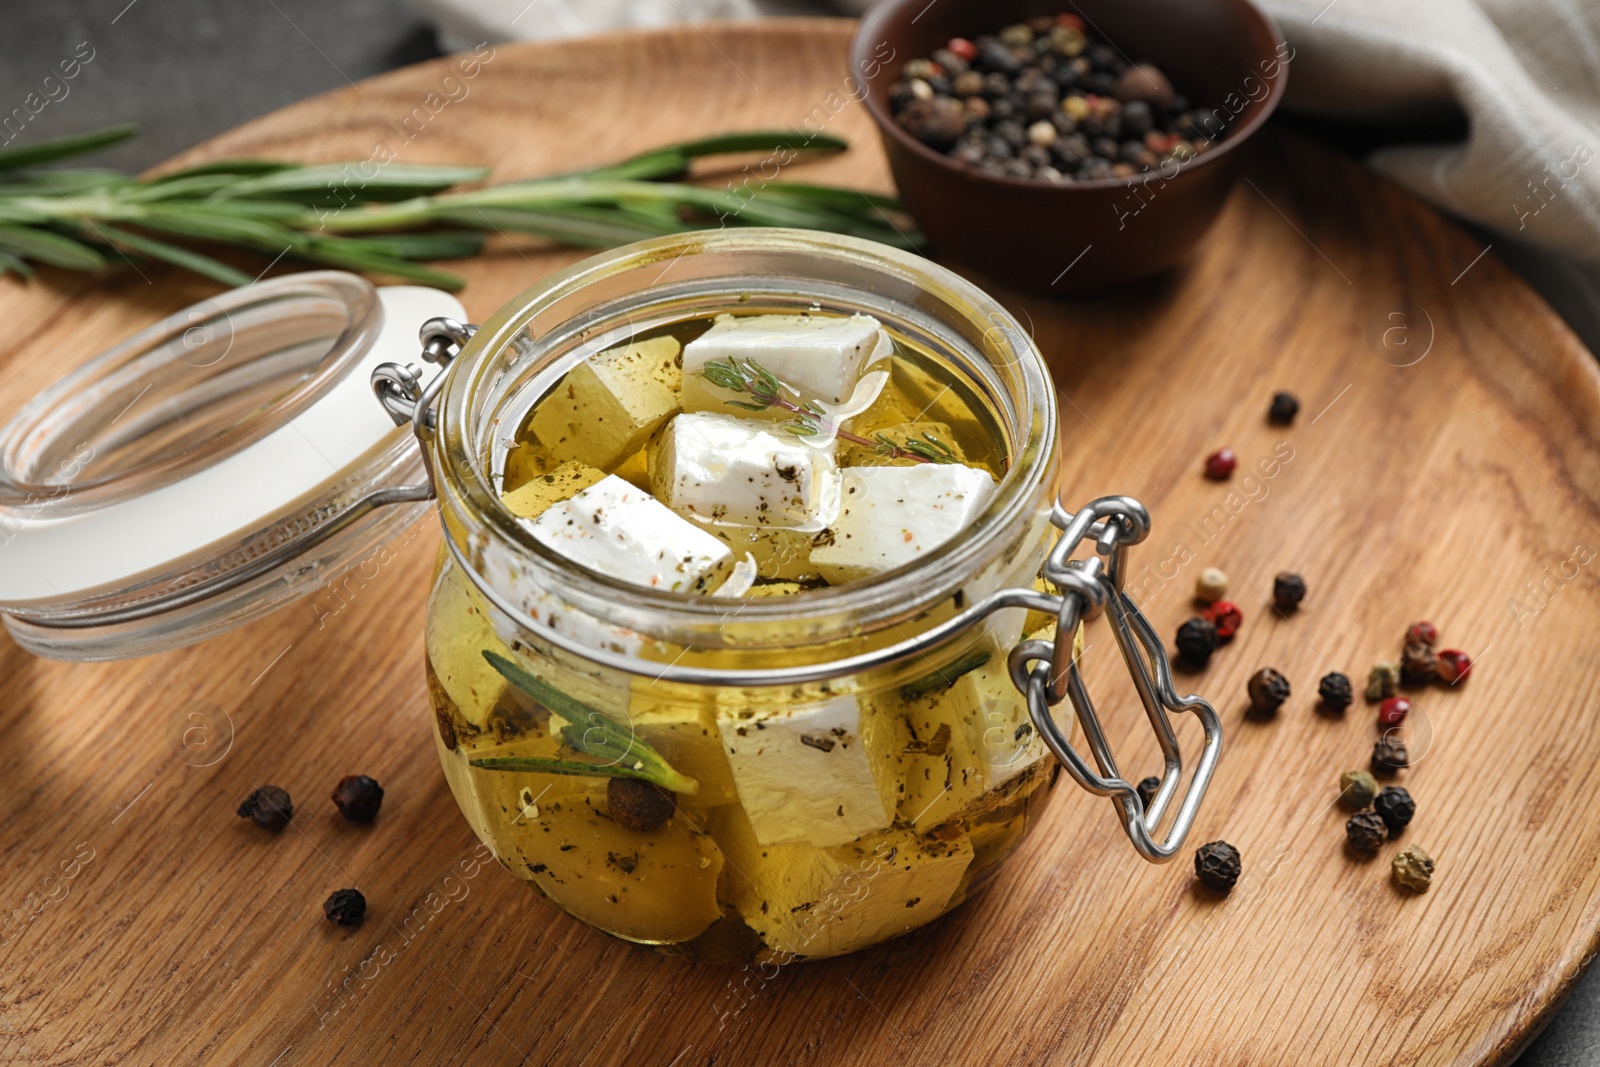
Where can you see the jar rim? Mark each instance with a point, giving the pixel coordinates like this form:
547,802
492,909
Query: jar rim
468,495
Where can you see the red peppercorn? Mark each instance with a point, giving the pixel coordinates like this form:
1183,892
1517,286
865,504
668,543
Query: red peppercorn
1453,665
1393,711
1220,464
1074,21
1425,633
963,48
1227,617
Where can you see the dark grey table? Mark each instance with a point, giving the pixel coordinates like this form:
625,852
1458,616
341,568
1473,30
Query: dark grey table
187,69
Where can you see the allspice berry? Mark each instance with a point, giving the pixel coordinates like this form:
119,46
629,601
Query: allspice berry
1211,585
268,807
1145,83
347,907
1365,831
1217,865
1288,589
1419,665
1197,639
358,797
1383,681
1335,691
1389,755
1357,789
936,122
639,805
1268,690
1395,807
1413,868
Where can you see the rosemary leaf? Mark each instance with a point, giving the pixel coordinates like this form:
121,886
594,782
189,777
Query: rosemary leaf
340,252
593,732
16,264
49,247
558,766
335,183
945,677
180,257
63,147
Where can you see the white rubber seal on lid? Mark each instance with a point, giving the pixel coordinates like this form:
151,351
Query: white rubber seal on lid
215,453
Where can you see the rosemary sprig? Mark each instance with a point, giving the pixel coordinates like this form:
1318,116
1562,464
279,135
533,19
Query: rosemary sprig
383,223
766,391
945,677
590,732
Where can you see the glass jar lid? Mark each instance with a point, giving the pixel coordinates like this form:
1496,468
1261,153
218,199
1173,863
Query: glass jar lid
206,470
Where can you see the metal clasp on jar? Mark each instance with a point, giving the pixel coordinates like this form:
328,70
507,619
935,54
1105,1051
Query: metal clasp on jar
1045,671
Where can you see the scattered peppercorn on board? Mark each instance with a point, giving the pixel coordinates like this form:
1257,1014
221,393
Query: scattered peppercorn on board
1443,466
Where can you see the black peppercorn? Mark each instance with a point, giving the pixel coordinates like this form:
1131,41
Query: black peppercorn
358,797
1217,865
1335,691
1197,639
268,807
1419,665
1268,690
1389,755
637,804
1283,410
347,907
1365,831
1147,790
1395,807
1288,589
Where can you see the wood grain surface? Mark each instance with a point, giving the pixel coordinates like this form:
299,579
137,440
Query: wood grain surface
144,924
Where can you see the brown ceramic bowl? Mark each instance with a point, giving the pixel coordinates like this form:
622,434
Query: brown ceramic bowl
1056,239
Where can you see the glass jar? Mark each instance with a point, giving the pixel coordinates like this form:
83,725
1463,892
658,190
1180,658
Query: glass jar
836,805
849,763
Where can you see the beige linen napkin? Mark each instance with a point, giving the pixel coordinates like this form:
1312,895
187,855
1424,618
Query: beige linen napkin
1525,72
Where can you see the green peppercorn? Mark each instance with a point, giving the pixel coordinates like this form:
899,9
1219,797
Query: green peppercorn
1268,690
1389,755
1335,691
1365,831
1413,868
1217,865
1197,639
1147,790
638,805
1288,589
1357,789
1383,681
1395,806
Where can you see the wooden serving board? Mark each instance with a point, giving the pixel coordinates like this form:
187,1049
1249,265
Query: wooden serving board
144,923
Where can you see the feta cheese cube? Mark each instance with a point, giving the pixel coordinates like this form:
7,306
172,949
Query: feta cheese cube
535,496
809,901
453,651
809,770
891,515
716,468
617,529
819,356
606,406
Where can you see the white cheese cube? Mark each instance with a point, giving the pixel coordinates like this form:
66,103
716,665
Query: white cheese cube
820,357
814,771
606,406
891,515
617,529
816,902
716,468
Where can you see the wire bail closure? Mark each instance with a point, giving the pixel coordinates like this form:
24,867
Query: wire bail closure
1046,672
